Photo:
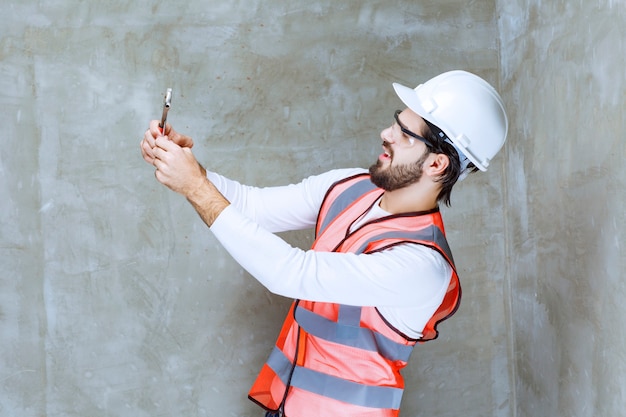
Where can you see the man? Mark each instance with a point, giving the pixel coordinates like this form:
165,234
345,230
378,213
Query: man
379,276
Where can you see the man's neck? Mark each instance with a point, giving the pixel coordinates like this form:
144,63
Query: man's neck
414,198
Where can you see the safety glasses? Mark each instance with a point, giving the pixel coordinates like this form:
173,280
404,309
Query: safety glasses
412,136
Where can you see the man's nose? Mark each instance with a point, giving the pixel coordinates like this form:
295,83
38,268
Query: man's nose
387,135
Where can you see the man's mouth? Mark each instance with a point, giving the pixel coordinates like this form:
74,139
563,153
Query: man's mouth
387,154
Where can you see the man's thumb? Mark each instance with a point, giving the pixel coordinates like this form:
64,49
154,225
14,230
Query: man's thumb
182,140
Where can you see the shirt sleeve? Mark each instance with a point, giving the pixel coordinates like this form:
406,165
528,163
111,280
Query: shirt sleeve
404,276
279,209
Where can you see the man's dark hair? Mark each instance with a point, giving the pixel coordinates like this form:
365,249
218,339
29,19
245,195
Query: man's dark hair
452,172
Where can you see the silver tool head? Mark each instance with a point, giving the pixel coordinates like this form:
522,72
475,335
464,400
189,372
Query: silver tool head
167,102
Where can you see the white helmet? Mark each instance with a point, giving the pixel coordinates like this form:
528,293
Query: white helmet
467,109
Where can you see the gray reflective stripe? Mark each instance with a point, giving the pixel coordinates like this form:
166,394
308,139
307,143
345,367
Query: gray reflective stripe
280,364
429,234
354,336
344,200
349,315
346,391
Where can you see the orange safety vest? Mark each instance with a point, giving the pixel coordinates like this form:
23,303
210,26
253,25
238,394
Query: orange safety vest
338,360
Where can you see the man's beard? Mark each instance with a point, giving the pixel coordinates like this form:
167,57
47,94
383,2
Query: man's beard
397,176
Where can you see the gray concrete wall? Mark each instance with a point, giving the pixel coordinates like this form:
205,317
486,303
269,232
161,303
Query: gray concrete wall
115,300
564,80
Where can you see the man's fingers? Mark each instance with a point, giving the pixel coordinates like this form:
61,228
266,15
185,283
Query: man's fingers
182,140
155,130
146,150
159,154
164,143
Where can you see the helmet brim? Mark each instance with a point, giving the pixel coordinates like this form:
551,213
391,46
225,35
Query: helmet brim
410,99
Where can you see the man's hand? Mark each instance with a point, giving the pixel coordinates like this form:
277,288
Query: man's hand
154,131
177,167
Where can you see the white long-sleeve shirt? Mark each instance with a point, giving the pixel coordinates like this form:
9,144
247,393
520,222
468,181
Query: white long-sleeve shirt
406,283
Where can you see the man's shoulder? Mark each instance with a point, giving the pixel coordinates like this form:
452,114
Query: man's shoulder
341,173
326,180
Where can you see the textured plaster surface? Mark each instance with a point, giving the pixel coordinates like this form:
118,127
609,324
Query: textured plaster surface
115,300
563,78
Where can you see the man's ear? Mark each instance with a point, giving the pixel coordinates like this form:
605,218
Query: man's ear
436,164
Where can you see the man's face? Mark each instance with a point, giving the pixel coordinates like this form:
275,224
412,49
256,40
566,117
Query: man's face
401,163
